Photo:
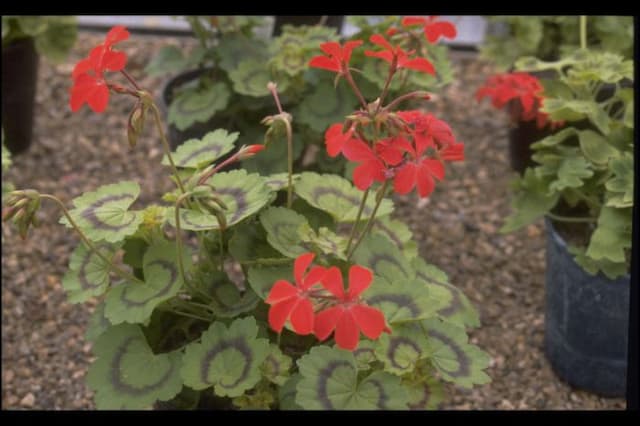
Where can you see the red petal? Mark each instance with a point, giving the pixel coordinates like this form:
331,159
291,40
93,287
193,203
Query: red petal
82,67
334,140
280,291
418,64
425,181
325,322
324,63
413,20
279,313
113,61
435,167
332,48
390,152
359,280
446,29
77,98
405,178
302,317
369,320
357,150
116,34
315,275
347,332
99,98
527,100
301,264
332,281
366,173
385,54
348,49
380,41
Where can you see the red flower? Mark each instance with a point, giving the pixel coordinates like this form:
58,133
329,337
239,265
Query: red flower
418,172
427,130
335,139
454,152
350,316
338,56
89,84
433,29
289,302
398,56
371,167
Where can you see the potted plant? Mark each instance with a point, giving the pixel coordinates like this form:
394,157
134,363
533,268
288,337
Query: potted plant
546,38
228,87
24,38
582,184
286,291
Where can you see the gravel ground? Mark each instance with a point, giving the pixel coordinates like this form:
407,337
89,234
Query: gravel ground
45,356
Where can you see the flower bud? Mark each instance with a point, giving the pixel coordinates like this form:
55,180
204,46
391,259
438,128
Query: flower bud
136,123
249,151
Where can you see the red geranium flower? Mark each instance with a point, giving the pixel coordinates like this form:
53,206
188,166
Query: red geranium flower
89,84
427,130
401,57
433,29
338,56
371,167
335,140
350,316
454,152
289,302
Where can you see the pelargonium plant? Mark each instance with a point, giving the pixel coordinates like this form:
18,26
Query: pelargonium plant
286,291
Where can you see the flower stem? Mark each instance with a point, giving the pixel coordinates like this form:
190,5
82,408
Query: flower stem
287,124
583,31
179,236
165,143
121,272
190,315
349,78
385,90
571,219
358,216
367,229
130,78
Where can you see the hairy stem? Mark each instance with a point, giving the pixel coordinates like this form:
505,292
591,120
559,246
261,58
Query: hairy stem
363,202
287,124
367,229
179,236
356,90
165,144
121,272
583,31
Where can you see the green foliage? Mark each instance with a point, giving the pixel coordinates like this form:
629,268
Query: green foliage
88,274
197,153
6,163
584,172
198,105
54,36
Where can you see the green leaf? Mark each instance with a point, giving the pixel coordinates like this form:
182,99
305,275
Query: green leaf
244,194
58,39
236,48
88,274
134,302
250,77
426,394
399,233
287,393
337,197
197,153
228,301
596,147
330,382
571,174
168,59
611,269
384,258
198,105
273,159
6,156
456,307
103,215
98,324
612,235
456,360
531,201
326,241
365,354
401,350
127,375
576,110
555,138
621,183
325,105
402,301
280,181
228,359
276,367
249,243
284,228
262,278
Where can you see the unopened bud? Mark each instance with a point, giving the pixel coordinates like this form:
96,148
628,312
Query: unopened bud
271,86
249,151
136,123
219,202
8,212
268,120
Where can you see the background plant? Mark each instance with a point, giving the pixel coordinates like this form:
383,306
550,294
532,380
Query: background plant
584,176
549,37
53,36
185,319
233,89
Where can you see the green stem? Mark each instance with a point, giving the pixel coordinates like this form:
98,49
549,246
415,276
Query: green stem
165,144
367,229
349,78
583,32
121,272
289,161
179,236
385,90
221,245
190,315
593,203
266,262
571,219
358,216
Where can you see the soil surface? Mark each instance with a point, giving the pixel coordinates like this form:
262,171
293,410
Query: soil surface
45,355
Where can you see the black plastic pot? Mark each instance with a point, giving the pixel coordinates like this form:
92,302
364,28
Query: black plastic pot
19,77
586,322
521,138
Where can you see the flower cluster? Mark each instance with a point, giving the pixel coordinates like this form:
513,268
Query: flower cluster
89,84
408,147
322,289
523,88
